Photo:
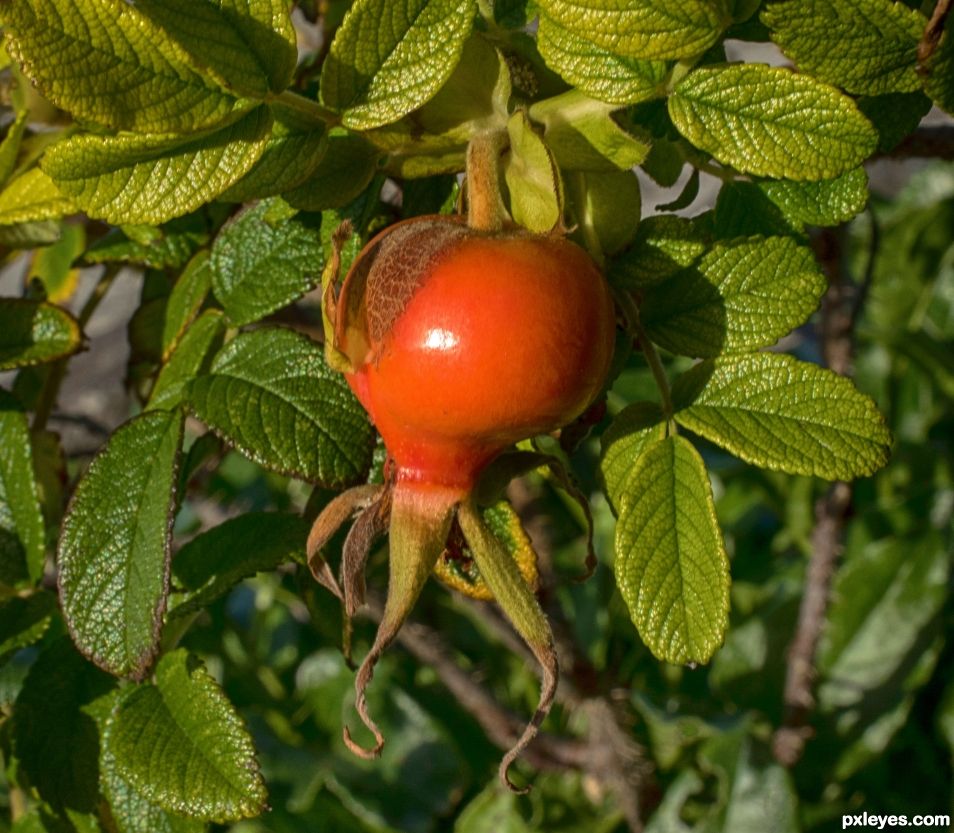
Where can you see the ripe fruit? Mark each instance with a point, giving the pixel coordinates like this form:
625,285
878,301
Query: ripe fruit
459,342
502,337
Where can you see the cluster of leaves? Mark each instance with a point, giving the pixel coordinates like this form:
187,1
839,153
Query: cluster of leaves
185,139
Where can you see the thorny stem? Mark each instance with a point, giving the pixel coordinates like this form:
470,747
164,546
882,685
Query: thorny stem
631,311
841,309
51,389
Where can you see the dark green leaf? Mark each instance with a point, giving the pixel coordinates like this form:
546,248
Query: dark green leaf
939,82
24,620
671,566
211,563
182,746
114,546
894,115
345,170
263,260
167,246
55,740
185,300
271,394
32,332
190,358
22,541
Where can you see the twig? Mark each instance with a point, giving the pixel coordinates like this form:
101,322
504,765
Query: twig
932,34
840,311
502,726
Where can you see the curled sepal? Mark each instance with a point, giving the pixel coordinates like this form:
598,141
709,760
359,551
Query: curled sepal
331,519
517,601
457,569
420,520
367,529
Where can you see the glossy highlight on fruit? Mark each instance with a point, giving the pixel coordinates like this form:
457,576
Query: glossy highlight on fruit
459,342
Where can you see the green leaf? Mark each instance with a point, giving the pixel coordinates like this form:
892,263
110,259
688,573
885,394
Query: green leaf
596,71
635,429
824,203
533,178
742,295
664,245
264,259
293,153
779,413
212,563
22,539
743,209
583,135
153,178
671,566
30,197
643,28
190,358
939,82
105,61
181,744
881,643
33,332
610,204
132,813
24,620
867,47
769,121
186,299
10,146
54,738
388,57
54,265
345,170
114,546
158,247
894,115
247,46
271,394
30,235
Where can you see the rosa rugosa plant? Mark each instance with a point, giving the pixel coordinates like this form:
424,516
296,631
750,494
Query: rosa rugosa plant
459,339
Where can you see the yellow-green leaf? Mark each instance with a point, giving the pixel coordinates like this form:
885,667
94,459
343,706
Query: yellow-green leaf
151,179
779,413
33,196
391,56
772,122
671,566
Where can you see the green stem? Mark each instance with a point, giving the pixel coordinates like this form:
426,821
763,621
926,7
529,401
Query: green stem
584,216
51,388
307,107
631,311
485,211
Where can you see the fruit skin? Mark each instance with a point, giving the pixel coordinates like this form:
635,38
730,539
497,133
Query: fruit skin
507,335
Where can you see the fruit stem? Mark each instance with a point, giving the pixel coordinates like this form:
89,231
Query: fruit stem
631,311
485,209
